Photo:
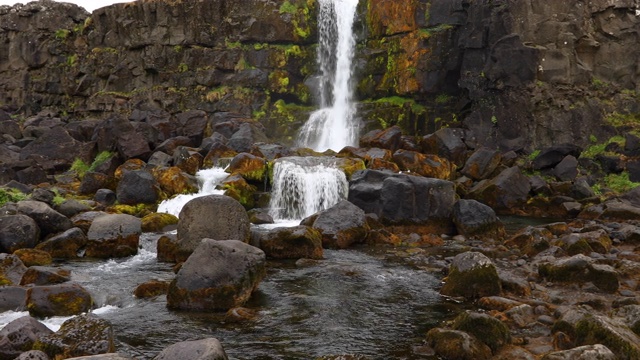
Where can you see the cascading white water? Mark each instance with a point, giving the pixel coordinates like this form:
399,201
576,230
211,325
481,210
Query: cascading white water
207,178
305,186
334,125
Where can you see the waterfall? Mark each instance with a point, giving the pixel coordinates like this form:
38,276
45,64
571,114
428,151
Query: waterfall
305,186
334,125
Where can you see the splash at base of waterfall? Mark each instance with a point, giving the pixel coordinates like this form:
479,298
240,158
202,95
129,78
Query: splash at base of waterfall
208,180
303,186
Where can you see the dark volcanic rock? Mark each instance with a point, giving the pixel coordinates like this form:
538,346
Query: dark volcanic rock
20,335
49,221
474,219
137,186
472,275
504,193
553,155
58,300
82,335
113,235
18,231
341,225
219,275
290,243
399,198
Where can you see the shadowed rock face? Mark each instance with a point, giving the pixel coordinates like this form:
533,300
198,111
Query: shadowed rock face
513,74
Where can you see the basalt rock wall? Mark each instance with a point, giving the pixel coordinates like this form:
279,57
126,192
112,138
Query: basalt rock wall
516,74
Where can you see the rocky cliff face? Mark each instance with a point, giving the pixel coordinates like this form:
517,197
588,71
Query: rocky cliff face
516,74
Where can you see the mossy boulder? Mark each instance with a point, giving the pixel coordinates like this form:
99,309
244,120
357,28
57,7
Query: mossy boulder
151,289
598,329
113,235
427,165
58,300
249,166
581,269
586,242
472,275
19,336
11,269
158,221
32,257
64,245
454,344
42,275
82,335
168,249
173,180
290,243
486,328
236,187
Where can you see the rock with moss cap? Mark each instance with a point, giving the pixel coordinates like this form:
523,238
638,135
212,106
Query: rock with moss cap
472,275
486,328
454,344
157,221
249,166
290,243
82,335
58,300
599,329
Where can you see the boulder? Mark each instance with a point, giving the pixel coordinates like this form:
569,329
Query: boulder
136,187
93,181
187,159
427,165
553,155
18,231
475,219
599,329
204,349
486,328
71,207
49,221
447,143
13,298
236,187
216,217
530,240
481,164
249,166
290,243
340,225
172,180
218,276
459,345
11,269
586,352
586,242
168,249
581,269
151,289
567,169
43,275
106,197
385,139
259,216
65,245
58,300
504,193
56,149
155,222
19,335
113,235
403,199
247,135
33,257
81,335
472,275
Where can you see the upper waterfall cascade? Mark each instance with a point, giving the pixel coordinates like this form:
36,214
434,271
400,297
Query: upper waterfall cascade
334,125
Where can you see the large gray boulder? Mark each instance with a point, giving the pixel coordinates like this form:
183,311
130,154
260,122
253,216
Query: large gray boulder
403,199
205,349
113,235
49,221
17,232
341,225
216,217
218,276
20,335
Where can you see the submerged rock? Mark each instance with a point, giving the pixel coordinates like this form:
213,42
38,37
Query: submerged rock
290,243
205,349
218,276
